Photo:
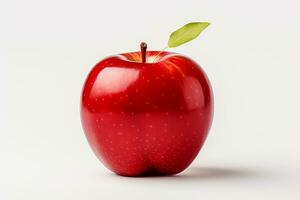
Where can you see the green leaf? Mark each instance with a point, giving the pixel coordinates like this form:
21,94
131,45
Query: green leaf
186,33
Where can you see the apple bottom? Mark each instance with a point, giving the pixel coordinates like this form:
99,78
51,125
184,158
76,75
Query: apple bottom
142,144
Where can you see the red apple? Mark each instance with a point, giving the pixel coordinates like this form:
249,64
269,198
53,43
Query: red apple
146,118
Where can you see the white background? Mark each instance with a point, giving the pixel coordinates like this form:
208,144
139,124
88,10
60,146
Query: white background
250,53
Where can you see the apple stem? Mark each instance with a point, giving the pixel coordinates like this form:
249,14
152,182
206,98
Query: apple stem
143,51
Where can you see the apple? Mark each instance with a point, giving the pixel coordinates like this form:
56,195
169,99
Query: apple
146,113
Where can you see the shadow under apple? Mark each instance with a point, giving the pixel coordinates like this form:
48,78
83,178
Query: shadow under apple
201,173
196,173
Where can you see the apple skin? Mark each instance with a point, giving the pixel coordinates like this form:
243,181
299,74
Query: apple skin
146,118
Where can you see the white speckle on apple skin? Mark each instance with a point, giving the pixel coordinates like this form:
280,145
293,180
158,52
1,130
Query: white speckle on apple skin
120,133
